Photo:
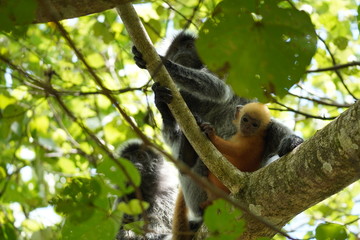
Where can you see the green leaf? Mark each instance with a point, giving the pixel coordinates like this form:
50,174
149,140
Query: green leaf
95,60
100,225
6,24
325,210
101,30
13,111
16,12
153,28
76,199
7,231
160,10
40,124
117,176
133,207
137,227
24,11
220,212
331,231
11,122
47,233
262,47
5,128
341,42
66,165
5,101
2,173
31,225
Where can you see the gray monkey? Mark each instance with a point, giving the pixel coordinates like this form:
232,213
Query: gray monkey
212,100
158,187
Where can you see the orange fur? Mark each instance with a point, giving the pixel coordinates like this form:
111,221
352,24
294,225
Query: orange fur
245,149
180,225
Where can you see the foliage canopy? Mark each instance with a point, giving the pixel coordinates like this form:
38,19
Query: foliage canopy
58,128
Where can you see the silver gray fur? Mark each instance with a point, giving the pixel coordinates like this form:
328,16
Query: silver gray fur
158,187
212,100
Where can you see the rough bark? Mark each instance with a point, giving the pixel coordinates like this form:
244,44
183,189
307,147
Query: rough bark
50,10
319,168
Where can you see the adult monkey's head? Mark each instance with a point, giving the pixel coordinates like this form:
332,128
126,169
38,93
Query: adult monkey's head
182,51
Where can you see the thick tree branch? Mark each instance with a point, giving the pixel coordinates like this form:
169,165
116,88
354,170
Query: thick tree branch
216,163
65,9
320,167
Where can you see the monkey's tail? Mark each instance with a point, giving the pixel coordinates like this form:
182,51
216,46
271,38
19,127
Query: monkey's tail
180,227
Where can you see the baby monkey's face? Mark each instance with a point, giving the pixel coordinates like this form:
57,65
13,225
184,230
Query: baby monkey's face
252,119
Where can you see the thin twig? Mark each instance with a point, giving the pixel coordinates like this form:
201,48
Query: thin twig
289,109
51,91
335,64
196,8
114,92
188,20
332,104
143,88
108,94
335,67
310,92
58,119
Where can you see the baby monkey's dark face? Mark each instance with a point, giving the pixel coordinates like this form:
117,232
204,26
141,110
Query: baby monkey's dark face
252,119
249,125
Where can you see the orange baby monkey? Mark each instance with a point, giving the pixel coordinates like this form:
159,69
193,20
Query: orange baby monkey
245,149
